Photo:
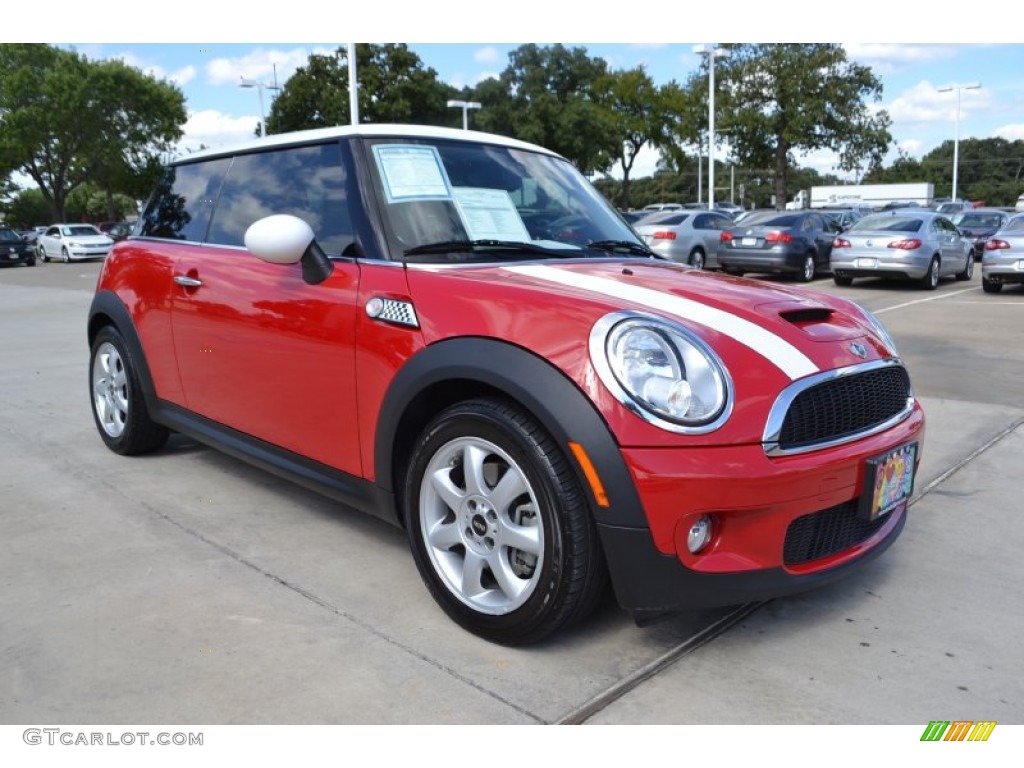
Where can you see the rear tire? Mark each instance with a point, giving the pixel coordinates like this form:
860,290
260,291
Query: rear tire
968,270
990,286
697,258
807,273
930,281
499,528
118,403
842,280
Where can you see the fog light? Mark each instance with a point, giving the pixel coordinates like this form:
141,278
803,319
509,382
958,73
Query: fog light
699,535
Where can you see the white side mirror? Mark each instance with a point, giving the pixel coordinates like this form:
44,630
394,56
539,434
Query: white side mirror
279,239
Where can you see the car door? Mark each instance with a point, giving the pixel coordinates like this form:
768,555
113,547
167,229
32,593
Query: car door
259,349
952,246
710,227
50,243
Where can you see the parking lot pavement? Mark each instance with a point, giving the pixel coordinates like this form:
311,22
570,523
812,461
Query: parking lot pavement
185,587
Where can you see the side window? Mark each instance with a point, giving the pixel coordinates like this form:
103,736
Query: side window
182,204
307,182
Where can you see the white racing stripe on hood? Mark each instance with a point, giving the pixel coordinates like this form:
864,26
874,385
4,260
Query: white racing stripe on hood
775,349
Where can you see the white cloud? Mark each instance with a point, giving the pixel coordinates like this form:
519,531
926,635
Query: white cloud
887,58
212,128
488,55
924,104
259,64
180,77
1012,132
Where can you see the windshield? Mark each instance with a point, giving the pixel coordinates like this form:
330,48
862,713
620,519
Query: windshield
81,230
887,223
978,220
437,192
770,219
7,235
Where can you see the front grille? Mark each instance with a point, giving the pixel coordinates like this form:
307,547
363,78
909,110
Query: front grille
820,534
847,405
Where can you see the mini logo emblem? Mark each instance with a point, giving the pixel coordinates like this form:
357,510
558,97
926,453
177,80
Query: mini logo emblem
859,350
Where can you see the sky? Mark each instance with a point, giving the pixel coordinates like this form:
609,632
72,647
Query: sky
261,46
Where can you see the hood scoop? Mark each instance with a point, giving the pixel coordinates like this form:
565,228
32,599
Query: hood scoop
801,316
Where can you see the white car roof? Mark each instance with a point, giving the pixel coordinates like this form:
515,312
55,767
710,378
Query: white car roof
369,130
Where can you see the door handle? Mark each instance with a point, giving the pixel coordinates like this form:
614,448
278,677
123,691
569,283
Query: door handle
187,282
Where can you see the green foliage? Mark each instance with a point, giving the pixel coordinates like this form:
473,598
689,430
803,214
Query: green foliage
394,87
28,208
556,97
775,99
990,170
65,120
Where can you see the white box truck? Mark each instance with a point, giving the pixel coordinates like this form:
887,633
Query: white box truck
860,195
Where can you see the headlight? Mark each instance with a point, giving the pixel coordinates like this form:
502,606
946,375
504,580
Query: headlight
661,371
881,330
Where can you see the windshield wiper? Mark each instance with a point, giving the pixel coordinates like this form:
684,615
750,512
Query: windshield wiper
628,246
457,246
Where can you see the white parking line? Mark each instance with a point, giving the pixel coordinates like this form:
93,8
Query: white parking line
922,301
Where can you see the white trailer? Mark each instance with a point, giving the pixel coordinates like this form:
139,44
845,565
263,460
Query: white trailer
873,195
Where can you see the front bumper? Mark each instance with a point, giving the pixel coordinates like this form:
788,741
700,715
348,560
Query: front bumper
81,252
782,524
18,257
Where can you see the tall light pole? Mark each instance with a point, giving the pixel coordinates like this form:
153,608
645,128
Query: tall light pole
466,106
259,87
956,141
712,53
353,86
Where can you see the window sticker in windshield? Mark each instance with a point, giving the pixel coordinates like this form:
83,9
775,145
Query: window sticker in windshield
489,214
412,173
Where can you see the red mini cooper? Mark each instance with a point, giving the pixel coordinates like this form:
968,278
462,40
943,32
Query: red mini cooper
454,331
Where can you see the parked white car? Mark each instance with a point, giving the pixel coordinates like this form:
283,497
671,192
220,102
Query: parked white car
69,242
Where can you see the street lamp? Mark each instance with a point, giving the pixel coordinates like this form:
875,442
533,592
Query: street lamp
712,53
466,106
259,87
956,142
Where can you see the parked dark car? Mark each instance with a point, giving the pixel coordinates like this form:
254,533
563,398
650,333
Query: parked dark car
14,249
979,225
794,243
120,231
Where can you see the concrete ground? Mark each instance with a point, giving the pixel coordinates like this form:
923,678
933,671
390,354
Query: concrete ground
186,587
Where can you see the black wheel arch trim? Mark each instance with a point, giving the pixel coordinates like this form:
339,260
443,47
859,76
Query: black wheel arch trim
545,391
106,304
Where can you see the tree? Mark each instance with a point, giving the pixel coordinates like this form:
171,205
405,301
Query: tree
394,87
779,99
552,96
28,208
641,114
65,120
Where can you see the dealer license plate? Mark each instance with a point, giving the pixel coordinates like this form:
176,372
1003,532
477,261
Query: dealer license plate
888,482
866,263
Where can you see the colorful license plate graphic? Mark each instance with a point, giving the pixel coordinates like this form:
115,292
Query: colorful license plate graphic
888,482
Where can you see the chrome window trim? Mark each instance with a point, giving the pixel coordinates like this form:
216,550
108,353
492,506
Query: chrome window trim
777,415
599,359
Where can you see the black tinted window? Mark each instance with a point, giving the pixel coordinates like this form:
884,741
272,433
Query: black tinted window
307,182
181,206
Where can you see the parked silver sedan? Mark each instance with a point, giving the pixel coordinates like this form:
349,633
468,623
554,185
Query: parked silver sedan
689,237
904,243
1003,261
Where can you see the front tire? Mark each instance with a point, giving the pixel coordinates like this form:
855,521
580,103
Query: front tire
64,255
118,404
498,525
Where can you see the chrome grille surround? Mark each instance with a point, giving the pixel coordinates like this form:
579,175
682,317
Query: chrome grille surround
772,441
